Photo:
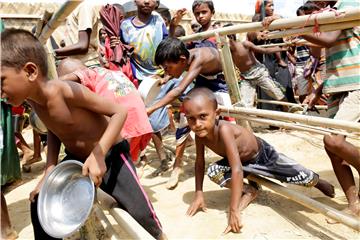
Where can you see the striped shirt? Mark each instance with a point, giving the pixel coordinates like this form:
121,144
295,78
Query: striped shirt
343,59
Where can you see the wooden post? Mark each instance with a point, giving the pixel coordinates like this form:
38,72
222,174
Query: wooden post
57,19
229,72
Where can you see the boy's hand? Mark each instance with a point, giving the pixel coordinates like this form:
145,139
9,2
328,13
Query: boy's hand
311,100
39,185
114,41
95,168
178,16
197,204
268,20
234,224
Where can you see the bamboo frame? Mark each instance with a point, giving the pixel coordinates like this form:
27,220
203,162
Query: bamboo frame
310,120
57,19
295,126
319,107
301,21
316,206
307,30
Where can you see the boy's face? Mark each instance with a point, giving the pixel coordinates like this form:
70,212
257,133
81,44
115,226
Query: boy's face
269,8
175,69
203,14
14,85
201,115
146,6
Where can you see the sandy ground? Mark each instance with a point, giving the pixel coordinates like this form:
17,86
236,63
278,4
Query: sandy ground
270,216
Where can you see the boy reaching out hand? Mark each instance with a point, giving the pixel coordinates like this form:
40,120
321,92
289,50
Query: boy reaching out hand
242,151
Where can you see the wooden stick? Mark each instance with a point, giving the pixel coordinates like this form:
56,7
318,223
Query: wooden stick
57,19
286,23
316,206
307,30
129,225
295,126
319,107
296,43
105,223
310,120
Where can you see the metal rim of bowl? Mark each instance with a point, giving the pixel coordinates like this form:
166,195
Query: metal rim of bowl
41,199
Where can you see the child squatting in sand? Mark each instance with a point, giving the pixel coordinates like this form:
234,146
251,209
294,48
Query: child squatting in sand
242,151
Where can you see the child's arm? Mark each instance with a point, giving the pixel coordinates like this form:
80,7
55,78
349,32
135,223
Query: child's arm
198,201
227,136
262,50
81,47
80,96
51,160
325,39
171,96
175,21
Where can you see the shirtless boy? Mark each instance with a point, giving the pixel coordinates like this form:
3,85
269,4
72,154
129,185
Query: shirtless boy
242,151
253,72
88,125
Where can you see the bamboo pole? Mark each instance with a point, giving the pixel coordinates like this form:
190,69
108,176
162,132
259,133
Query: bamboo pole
295,126
57,19
316,206
296,43
229,72
307,30
319,107
105,223
310,120
286,23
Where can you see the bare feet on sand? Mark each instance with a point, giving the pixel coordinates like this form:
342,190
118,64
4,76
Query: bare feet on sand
249,194
28,154
326,188
164,166
26,166
174,178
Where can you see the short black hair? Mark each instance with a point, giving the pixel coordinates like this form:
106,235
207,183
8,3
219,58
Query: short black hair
309,6
179,31
19,46
170,49
203,92
208,2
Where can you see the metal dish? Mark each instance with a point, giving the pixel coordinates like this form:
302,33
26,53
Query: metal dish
65,199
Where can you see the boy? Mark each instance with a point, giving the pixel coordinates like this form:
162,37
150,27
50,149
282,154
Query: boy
144,32
88,125
253,72
241,150
342,83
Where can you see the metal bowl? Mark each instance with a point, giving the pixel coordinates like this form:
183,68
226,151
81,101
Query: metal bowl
65,199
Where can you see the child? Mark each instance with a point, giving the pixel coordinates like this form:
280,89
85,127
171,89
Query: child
88,125
253,72
144,32
241,150
342,83
115,86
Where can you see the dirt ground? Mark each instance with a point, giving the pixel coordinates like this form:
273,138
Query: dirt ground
270,216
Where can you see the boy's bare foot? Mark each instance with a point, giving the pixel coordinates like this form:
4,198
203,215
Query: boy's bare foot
27,156
164,166
249,194
26,167
326,188
174,178
351,210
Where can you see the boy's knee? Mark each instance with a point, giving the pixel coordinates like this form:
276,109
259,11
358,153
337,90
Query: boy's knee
333,142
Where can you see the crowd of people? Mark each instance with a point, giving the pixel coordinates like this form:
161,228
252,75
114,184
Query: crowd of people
95,111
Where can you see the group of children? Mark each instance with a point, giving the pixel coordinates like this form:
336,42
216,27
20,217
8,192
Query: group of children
88,111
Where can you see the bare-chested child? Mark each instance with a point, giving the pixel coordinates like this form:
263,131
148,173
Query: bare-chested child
242,152
88,125
254,73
